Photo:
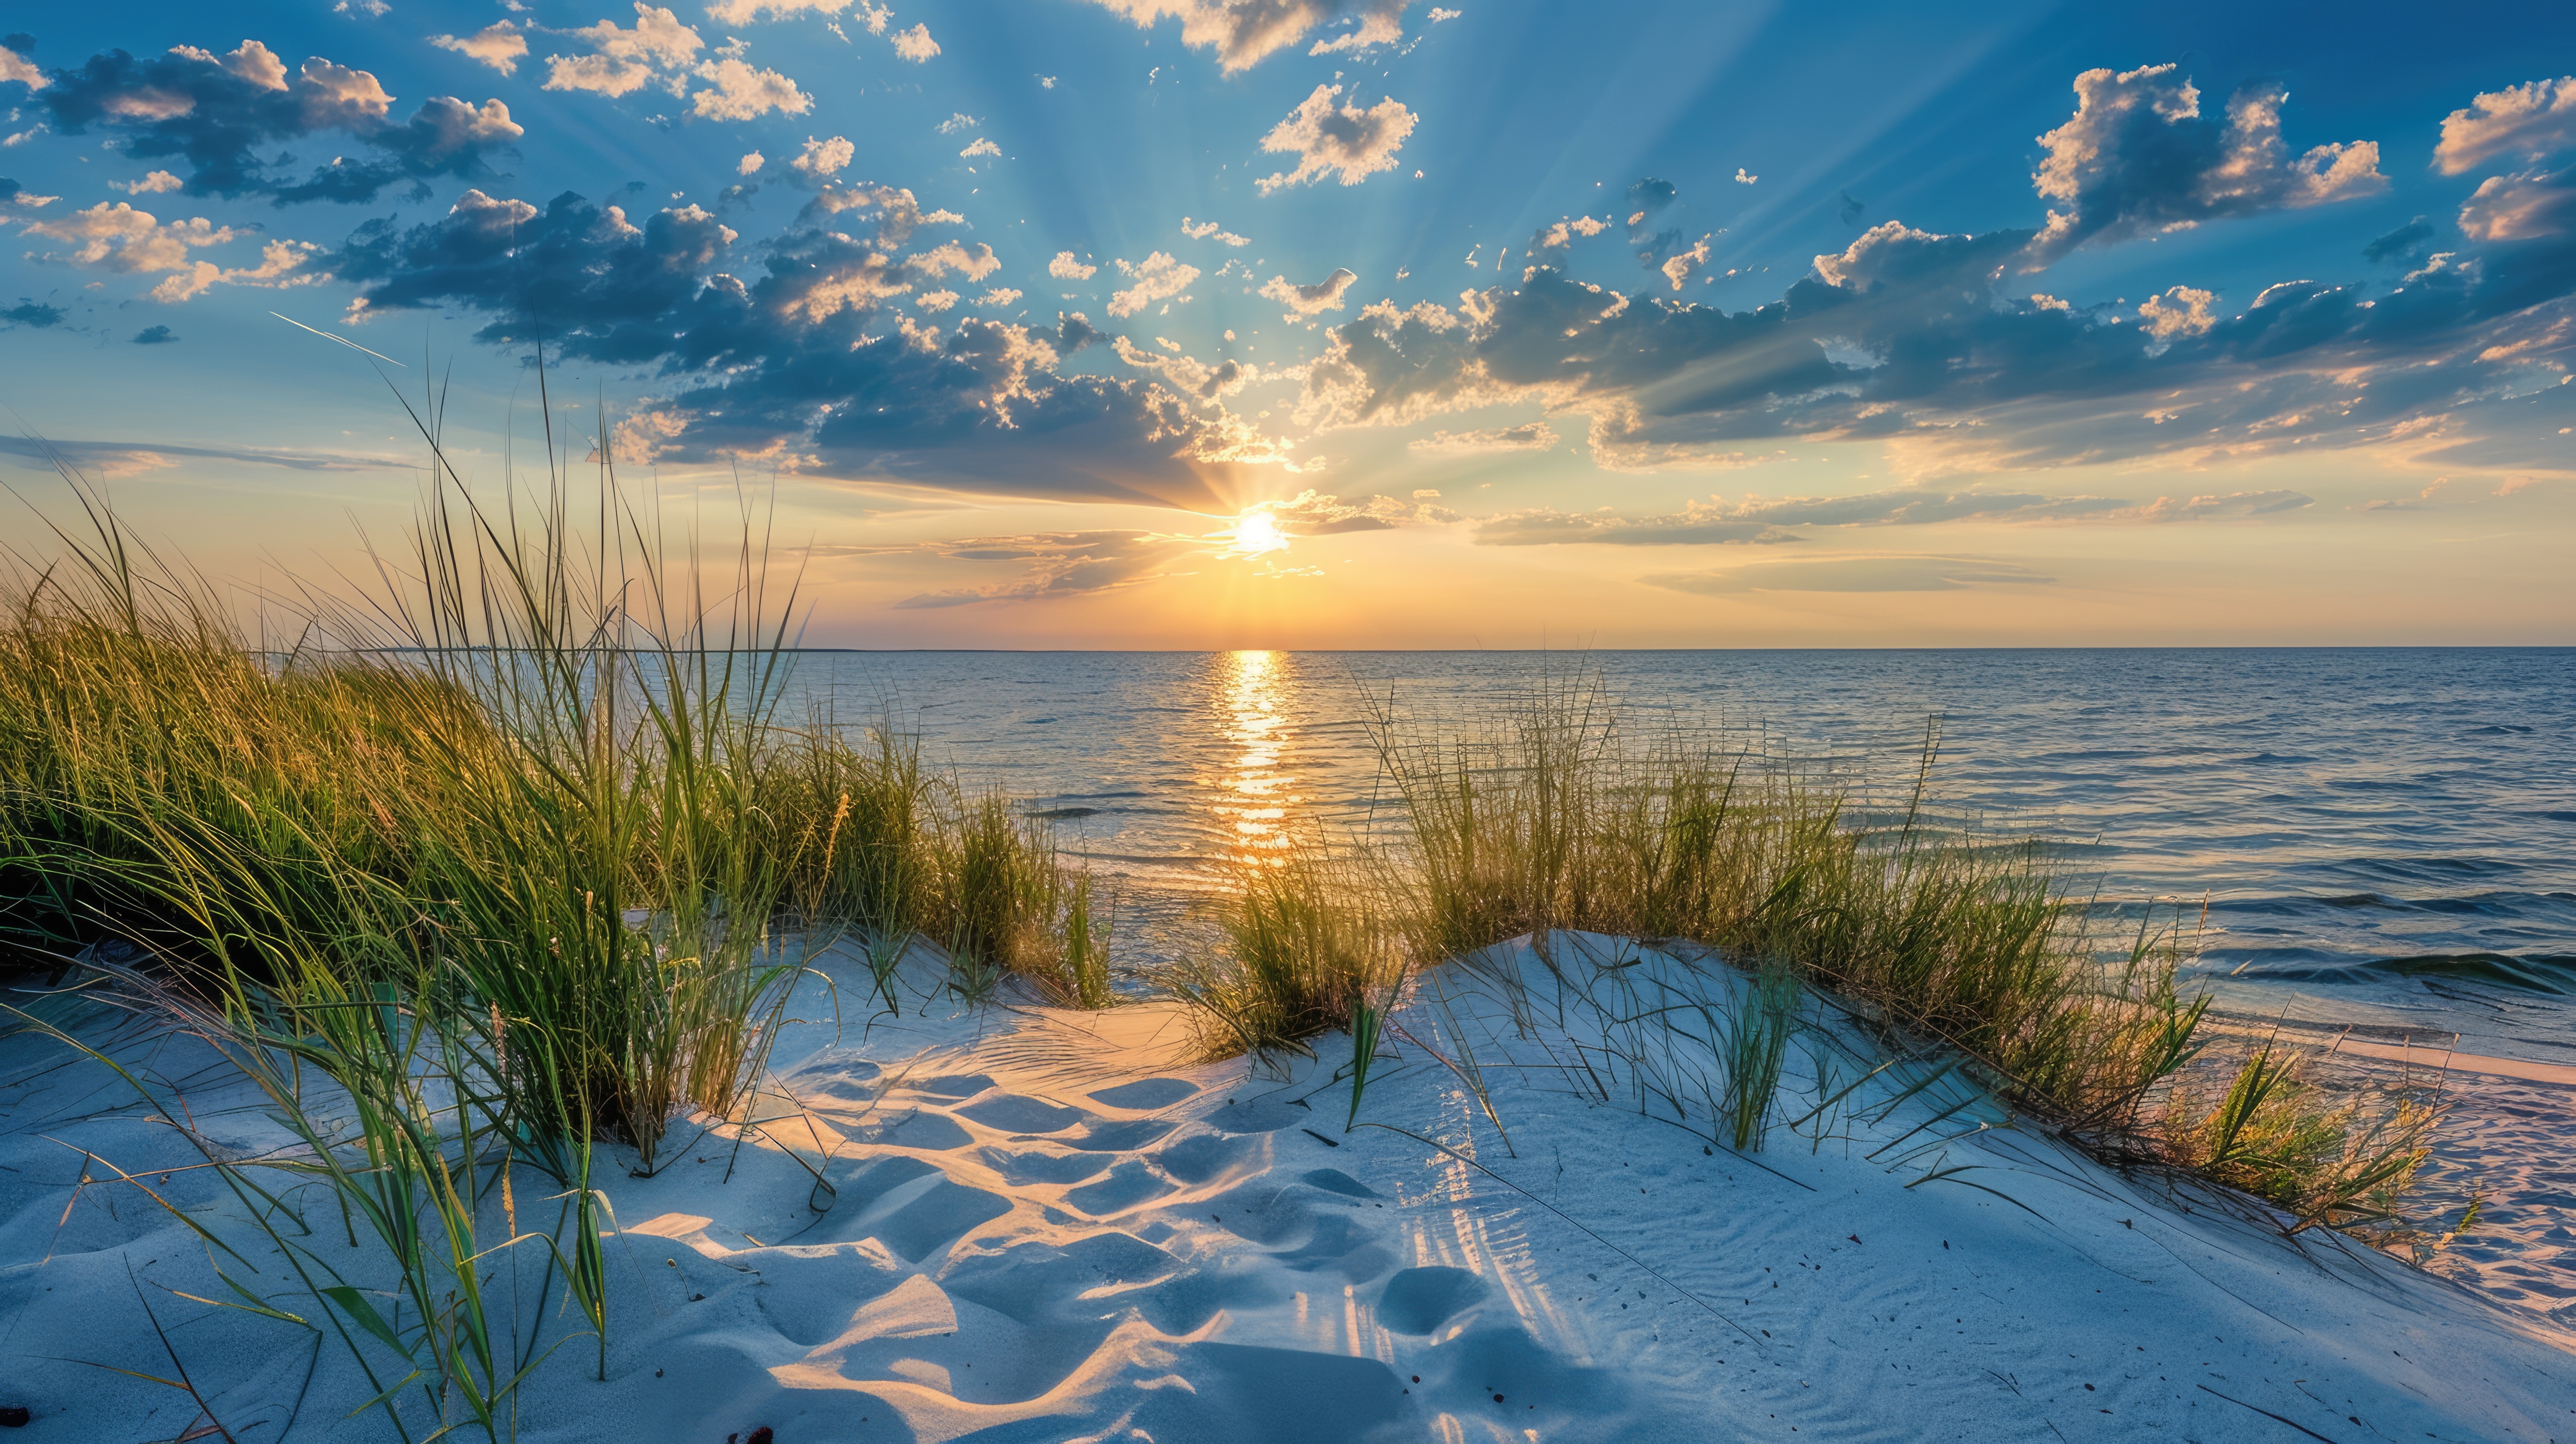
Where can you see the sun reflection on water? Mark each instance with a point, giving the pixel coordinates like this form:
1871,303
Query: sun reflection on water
1255,795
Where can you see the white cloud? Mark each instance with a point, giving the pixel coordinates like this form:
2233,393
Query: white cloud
120,239
1241,32
999,296
876,16
982,146
949,256
1324,295
743,12
1156,277
2521,207
2137,158
499,45
2532,120
153,184
1437,14
936,300
1744,177
1376,27
1528,436
915,44
2179,312
19,68
1678,266
743,92
657,51
752,161
958,124
372,9
822,159
1202,230
1337,140
1065,268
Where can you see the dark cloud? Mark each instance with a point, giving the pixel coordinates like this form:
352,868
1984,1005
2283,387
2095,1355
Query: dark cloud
8,190
34,314
2139,157
808,361
2408,244
217,112
1912,338
155,336
1646,199
1851,210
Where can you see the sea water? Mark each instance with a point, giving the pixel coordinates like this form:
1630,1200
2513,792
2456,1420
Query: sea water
2371,843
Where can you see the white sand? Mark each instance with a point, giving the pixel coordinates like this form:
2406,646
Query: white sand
1042,1232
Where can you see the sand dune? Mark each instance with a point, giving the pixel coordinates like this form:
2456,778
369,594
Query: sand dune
1012,1224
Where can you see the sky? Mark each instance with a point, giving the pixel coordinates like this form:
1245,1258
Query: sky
1342,323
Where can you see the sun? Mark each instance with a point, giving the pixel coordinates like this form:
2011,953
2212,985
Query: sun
1257,533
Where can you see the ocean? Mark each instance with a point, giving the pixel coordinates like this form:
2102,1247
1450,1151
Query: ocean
2375,842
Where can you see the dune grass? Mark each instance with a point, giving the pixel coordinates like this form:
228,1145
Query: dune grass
514,857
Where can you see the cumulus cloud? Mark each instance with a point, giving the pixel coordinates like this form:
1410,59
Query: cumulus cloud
804,355
915,44
2521,207
1337,140
153,184
820,160
751,163
1528,436
2138,158
982,146
499,45
1677,267
1000,298
1066,268
2181,311
737,91
657,50
1241,32
18,69
958,123
1561,234
120,239
1324,295
744,12
2532,120
155,336
1203,230
1156,277
218,111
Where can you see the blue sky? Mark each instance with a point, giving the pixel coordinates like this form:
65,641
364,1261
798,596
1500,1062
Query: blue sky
1352,322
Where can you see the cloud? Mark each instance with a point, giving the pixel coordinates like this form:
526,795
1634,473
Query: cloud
751,163
1324,295
499,45
657,50
737,91
744,12
1242,32
124,458
1000,298
1204,229
218,111
915,44
1678,267
1064,267
1343,141
1056,565
18,69
1312,513
1156,277
798,356
36,316
2532,120
1757,519
1528,436
958,124
2138,158
1562,234
1854,574
2521,207
153,184
155,336
820,160
2408,243
2180,311
14,194
120,239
